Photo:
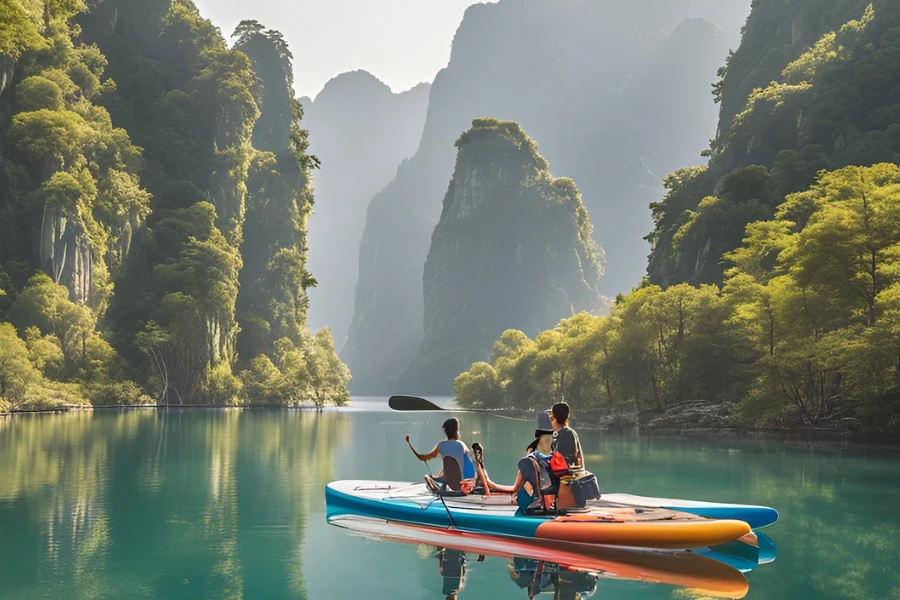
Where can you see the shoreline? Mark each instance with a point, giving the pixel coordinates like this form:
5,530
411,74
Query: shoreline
873,439
66,408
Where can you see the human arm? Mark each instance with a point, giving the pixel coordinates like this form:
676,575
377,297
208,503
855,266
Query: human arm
579,455
510,489
428,456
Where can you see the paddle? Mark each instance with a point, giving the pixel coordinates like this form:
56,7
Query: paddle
449,515
411,403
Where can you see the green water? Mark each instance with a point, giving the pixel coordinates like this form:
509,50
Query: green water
230,504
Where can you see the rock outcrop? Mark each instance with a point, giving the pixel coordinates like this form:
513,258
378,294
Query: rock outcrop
7,67
361,131
66,255
513,249
569,72
790,107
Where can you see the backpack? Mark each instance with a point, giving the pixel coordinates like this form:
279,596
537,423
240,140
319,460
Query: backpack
558,465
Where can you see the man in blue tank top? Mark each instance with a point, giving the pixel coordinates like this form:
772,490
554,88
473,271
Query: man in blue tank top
453,447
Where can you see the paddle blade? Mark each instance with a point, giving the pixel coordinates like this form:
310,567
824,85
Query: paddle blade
411,403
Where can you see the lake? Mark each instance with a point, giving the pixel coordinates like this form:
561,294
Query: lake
230,504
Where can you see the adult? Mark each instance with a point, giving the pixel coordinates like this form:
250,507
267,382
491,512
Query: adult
565,439
543,449
452,447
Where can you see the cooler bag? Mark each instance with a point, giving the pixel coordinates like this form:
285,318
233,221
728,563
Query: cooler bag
585,487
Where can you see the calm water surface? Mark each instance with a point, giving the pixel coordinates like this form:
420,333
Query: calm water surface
230,504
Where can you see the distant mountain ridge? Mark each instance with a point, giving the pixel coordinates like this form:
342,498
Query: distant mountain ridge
361,131
584,79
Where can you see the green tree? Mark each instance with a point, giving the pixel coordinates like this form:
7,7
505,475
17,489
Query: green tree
263,382
849,247
479,387
328,376
17,373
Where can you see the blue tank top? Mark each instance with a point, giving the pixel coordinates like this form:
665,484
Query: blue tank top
456,449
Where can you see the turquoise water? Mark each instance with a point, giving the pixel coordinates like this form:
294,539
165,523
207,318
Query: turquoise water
230,504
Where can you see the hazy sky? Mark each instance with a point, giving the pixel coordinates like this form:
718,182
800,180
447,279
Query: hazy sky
402,42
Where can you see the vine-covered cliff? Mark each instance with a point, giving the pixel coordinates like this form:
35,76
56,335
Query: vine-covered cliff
143,162
513,249
823,101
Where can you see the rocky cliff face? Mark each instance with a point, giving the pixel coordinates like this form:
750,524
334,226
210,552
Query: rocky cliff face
513,249
273,301
777,33
7,66
66,255
570,72
802,93
361,131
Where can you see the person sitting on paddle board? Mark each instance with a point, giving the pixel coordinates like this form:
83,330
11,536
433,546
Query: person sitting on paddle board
565,440
540,456
453,447
483,481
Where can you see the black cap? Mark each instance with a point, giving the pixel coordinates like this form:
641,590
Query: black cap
544,427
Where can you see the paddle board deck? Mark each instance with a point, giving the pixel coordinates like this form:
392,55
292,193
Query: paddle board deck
755,516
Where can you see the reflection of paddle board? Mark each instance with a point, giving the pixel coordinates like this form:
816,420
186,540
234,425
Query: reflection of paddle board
742,557
614,526
681,569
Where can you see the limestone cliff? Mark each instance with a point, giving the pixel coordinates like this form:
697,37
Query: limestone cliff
803,93
7,68
513,249
361,131
569,72
65,253
777,33
155,173
273,301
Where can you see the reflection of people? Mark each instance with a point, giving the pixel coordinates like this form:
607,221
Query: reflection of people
452,566
539,577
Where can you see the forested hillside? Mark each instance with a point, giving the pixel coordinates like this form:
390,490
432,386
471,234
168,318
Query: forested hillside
773,282
154,192
831,103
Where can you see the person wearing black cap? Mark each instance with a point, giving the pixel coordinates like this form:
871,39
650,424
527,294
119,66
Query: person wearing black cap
542,450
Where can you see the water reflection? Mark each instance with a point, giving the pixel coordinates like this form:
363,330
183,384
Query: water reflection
168,504
564,570
230,504
537,577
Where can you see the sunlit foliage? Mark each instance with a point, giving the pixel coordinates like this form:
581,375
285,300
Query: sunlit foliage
803,333
128,137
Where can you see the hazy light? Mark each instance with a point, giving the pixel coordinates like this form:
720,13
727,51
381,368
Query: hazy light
402,42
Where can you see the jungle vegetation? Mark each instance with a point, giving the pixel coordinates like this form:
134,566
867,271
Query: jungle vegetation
154,190
773,282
